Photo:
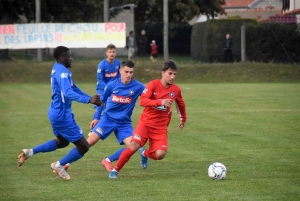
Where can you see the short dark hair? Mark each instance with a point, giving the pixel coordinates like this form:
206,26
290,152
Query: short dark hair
169,65
129,64
59,51
110,46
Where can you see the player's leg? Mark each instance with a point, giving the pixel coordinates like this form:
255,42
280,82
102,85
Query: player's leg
49,146
124,158
72,133
102,130
137,141
123,134
158,145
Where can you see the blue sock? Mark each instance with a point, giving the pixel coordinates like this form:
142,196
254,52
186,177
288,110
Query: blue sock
72,156
116,155
46,147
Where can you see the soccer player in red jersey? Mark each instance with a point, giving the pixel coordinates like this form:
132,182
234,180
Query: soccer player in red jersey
157,98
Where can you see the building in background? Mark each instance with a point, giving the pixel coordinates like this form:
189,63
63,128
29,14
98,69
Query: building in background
290,13
251,9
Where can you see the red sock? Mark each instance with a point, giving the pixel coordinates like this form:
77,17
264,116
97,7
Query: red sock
151,155
125,156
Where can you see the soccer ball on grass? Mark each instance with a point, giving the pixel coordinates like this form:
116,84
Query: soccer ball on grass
217,171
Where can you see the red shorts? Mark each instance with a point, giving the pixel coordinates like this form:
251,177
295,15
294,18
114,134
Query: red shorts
158,138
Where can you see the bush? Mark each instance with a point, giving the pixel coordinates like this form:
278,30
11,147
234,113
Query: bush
208,37
269,42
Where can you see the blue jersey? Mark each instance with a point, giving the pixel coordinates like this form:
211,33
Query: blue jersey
120,100
106,73
64,91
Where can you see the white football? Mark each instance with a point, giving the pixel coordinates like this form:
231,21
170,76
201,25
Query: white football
217,171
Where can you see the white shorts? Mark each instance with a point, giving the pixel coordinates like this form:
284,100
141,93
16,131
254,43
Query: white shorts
130,52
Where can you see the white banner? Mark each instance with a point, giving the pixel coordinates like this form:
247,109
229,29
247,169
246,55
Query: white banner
71,35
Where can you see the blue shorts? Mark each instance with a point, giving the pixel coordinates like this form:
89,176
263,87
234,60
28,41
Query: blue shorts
106,126
68,130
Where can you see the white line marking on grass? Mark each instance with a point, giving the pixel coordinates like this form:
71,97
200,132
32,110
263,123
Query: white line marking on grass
241,111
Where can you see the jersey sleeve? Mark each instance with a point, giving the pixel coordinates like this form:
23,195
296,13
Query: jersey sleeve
180,107
118,75
100,76
79,91
105,95
145,100
67,90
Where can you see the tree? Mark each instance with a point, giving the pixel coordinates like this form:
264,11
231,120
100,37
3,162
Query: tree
92,10
179,10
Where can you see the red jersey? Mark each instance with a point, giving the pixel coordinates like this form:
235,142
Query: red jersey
153,49
154,114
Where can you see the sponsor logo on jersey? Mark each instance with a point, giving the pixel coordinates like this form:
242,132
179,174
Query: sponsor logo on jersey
171,94
115,92
81,131
114,74
161,108
145,90
121,99
99,130
99,71
137,137
53,71
131,92
64,75
117,67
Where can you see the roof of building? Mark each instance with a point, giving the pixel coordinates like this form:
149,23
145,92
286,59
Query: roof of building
237,3
253,3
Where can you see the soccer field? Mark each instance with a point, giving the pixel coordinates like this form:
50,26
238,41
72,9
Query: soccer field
253,129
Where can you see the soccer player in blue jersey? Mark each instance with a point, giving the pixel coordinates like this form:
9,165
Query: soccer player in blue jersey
64,126
108,70
120,97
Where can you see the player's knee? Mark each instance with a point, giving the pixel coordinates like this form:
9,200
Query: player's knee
86,148
134,146
160,154
61,143
82,146
83,149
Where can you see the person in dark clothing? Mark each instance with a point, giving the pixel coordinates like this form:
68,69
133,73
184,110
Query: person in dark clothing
142,44
228,44
130,45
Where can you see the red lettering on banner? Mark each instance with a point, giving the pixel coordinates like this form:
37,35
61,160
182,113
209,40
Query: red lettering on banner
7,29
121,99
58,37
114,27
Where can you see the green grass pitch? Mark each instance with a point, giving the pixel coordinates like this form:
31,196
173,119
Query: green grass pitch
253,129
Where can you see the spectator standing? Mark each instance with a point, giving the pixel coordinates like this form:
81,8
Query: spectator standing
228,44
130,45
142,43
153,51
